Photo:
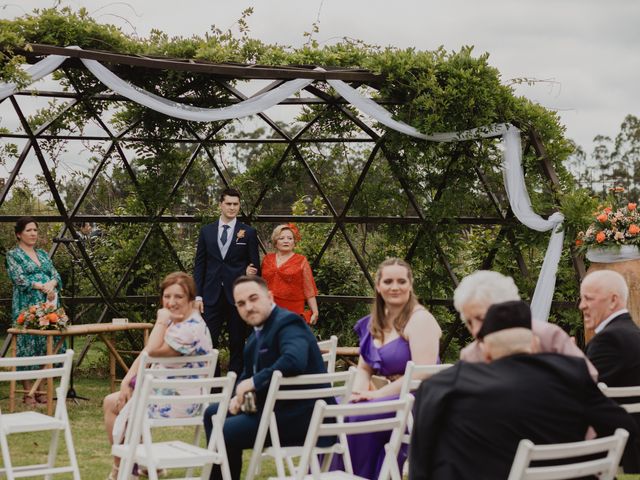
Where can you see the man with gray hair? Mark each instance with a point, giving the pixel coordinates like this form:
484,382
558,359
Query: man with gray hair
615,349
470,418
483,288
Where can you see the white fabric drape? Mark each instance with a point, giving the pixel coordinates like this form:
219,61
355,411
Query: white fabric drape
383,116
613,254
521,206
512,150
251,106
36,72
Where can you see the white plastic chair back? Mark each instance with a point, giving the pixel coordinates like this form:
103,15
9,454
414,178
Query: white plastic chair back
308,387
413,377
415,374
604,468
623,392
398,410
203,366
139,446
329,350
32,421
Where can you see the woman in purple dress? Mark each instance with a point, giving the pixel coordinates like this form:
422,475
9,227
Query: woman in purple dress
399,329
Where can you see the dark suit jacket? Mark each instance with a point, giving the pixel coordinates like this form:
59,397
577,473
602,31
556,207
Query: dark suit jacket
287,344
213,274
615,352
470,418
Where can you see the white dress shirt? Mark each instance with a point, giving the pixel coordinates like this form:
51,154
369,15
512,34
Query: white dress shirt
607,320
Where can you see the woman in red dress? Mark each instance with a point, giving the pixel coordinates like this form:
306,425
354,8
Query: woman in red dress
289,276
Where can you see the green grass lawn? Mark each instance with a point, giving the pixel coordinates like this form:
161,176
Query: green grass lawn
92,449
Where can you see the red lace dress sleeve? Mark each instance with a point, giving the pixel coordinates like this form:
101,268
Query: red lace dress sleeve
308,283
291,283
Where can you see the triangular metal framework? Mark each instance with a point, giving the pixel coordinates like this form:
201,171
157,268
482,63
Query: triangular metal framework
112,296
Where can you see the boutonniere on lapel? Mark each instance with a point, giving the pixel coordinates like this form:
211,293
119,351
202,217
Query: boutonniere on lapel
240,234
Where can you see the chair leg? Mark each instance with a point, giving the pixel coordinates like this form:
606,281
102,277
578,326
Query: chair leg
71,451
6,457
53,451
222,450
152,472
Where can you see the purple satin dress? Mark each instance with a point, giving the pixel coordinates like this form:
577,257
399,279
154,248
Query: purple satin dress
367,449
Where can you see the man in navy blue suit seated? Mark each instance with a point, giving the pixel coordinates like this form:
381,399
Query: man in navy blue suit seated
280,341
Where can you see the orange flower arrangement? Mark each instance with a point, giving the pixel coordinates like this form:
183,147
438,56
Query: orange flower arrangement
43,316
612,226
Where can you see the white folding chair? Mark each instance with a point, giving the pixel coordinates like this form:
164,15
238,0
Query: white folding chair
623,392
415,374
139,446
396,423
31,421
413,377
329,350
200,366
604,468
306,387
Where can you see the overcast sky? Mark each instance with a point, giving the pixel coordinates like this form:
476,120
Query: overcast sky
585,51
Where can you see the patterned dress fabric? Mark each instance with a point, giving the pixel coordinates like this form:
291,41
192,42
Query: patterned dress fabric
291,283
23,272
188,337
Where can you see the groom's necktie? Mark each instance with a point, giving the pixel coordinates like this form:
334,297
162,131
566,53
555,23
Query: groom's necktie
224,236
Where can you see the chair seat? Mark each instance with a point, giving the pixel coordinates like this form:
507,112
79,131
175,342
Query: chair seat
173,454
297,451
23,422
326,476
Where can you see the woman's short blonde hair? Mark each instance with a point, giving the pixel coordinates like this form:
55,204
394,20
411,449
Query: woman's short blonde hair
278,231
180,278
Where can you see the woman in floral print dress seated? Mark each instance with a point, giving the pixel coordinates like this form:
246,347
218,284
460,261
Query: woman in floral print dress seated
179,330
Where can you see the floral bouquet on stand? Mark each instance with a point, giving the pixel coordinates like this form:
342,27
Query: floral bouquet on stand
613,229
43,316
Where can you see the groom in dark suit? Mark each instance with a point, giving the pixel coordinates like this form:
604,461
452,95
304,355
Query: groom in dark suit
225,249
281,341
615,348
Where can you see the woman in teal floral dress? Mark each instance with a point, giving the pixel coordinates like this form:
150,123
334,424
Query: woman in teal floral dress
35,280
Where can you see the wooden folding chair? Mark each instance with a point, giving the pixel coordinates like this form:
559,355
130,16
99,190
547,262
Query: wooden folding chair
51,366
329,349
397,410
604,468
339,385
623,392
140,448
